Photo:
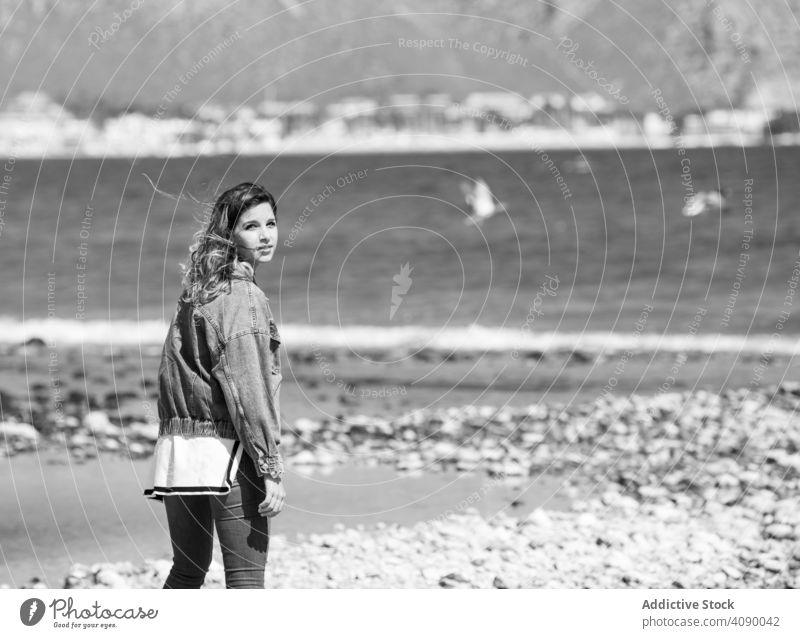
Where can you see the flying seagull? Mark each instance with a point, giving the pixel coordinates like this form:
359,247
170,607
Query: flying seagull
705,202
482,204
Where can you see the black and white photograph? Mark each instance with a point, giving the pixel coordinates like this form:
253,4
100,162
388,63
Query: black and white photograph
442,294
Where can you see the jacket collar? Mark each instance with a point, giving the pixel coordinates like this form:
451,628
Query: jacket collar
241,273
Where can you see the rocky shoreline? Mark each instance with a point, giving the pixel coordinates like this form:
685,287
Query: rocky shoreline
610,542
693,444
679,490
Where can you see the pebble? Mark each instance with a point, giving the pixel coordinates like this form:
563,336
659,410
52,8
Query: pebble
145,431
780,531
306,426
444,449
81,441
410,463
453,580
773,565
732,572
98,423
110,445
539,518
325,457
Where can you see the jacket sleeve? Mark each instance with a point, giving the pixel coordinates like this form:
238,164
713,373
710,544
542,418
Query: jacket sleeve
249,373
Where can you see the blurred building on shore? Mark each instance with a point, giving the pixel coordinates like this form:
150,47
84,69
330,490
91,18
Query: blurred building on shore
33,125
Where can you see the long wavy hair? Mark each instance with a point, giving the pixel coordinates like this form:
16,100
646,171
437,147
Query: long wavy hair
213,260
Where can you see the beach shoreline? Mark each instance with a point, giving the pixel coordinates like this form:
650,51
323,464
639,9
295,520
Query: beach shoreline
525,139
682,464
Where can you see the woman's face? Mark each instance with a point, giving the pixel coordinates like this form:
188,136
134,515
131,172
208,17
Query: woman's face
256,234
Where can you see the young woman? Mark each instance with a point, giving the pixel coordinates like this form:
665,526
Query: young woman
216,462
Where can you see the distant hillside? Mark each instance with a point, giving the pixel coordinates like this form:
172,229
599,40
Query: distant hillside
693,51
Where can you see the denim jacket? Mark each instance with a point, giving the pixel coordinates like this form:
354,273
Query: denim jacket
220,373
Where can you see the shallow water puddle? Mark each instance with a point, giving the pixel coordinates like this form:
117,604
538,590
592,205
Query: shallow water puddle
57,512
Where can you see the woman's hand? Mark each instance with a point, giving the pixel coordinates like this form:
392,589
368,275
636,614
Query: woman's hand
276,496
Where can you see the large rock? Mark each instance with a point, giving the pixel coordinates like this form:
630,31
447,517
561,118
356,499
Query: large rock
22,431
137,449
98,424
444,449
78,577
143,431
306,427
410,462
80,441
108,577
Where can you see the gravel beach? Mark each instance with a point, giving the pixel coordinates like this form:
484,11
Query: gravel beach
689,489
611,542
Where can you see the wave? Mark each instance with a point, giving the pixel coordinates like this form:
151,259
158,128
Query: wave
474,338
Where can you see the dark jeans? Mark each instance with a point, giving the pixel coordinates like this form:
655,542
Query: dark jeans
243,533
